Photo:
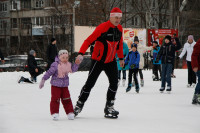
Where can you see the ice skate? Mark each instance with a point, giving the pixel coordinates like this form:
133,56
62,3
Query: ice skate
193,85
109,110
188,85
142,82
194,99
21,79
78,108
169,89
162,89
128,88
123,82
70,116
55,116
137,88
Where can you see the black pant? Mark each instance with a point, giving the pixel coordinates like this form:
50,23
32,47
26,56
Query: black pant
123,72
156,68
140,73
35,74
96,68
133,72
191,74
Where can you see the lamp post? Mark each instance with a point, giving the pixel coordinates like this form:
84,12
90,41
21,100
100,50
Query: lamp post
76,3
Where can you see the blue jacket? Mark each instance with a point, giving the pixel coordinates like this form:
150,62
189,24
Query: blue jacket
125,53
133,60
155,53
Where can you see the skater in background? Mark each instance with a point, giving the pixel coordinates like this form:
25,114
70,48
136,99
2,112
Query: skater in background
156,65
33,69
133,59
167,55
51,53
122,69
188,47
59,71
196,68
2,57
108,41
141,49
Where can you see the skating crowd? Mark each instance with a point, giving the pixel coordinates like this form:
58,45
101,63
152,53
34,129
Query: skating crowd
113,56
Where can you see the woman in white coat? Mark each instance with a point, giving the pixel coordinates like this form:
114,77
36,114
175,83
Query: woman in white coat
141,49
188,47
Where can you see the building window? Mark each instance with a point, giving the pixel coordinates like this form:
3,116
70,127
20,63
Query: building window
13,5
39,3
48,20
3,6
25,23
39,21
13,22
135,21
26,4
3,24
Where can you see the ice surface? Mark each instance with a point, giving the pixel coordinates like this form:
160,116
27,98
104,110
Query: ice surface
24,108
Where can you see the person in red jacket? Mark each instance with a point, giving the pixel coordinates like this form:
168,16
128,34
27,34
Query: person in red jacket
108,41
196,68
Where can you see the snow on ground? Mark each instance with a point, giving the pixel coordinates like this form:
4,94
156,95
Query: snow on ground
24,108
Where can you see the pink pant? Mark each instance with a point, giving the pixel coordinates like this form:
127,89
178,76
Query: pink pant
62,93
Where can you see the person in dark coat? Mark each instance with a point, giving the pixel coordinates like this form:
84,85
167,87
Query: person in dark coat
167,56
2,57
51,53
33,69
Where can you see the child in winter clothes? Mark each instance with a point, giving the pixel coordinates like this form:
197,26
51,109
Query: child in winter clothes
188,48
167,55
122,69
156,66
60,81
141,49
133,60
196,68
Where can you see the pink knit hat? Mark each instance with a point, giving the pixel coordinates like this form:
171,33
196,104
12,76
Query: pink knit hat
190,37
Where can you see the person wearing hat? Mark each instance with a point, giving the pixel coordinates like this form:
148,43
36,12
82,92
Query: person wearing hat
195,62
141,49
33,69
133,60
167,55
156,66
108,41
188,48
51,53
59,71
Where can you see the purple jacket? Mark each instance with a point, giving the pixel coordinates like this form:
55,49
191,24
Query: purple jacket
53,71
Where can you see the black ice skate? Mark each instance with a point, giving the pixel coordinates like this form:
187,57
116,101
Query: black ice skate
196,99
109,110
128,88
169,89
162,89
78,108
137,88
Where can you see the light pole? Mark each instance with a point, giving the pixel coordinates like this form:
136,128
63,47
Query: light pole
76,3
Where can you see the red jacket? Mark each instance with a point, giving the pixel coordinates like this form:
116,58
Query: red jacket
196,55
108,41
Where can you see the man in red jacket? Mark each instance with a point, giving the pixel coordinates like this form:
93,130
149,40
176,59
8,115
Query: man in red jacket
108,41
196,68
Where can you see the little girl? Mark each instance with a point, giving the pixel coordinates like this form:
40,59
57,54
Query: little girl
59,84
